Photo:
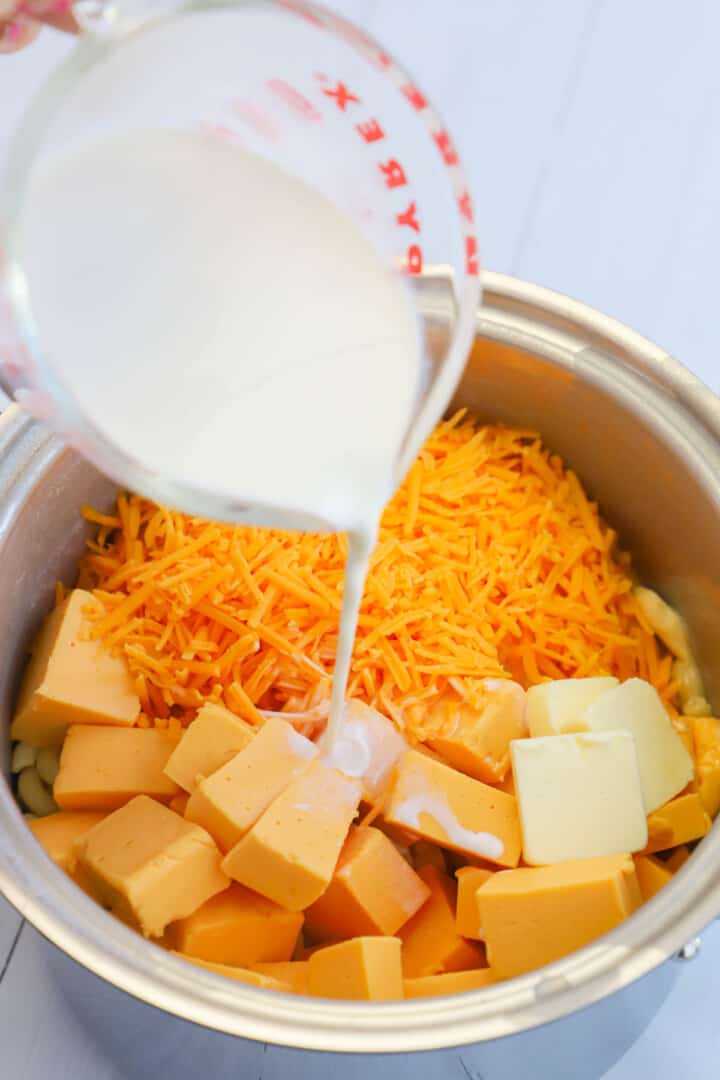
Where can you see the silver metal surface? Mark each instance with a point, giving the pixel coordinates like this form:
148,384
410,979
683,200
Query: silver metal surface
644,435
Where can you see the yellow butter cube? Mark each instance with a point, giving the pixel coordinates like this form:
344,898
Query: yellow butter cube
291,852
467,915
579,796
441,804
364,969
71,679
150,866
557,707
532,916
230,801
214,737
102,768
237,927
449,982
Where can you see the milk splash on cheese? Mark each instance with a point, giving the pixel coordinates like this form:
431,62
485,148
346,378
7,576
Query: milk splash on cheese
229,329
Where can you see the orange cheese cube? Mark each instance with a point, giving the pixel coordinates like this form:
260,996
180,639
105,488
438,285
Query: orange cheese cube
373,890
294,973
679,821
706,749
72,679
290,854
651,874
368,747
476,738
102,768
150,866
678,858
535,915
237,927
215,736
423,853
440,804
467,914
431,943
449,982
230,801
244,975
179,802
364,969
58,832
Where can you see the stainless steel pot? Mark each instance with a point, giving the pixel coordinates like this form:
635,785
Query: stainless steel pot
644,435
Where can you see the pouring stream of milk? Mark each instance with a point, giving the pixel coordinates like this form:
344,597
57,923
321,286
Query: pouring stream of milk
228,328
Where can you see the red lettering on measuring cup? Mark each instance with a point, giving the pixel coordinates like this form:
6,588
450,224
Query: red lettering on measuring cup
342,96
465,204
445,147
414,96
414,259
409,217
371,131
301,10
294,99
471,261
394,173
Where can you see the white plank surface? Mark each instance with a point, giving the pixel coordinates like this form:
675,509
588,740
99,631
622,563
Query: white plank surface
591,132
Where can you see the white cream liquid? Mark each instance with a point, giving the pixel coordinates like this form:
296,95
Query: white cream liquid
230,330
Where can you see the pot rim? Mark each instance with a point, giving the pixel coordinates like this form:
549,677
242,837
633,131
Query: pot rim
544,323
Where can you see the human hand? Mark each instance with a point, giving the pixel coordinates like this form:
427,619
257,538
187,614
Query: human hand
20,23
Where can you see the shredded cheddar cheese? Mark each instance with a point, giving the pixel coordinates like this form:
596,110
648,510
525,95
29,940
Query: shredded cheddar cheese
491,562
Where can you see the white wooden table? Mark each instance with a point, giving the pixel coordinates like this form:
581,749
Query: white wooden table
591,133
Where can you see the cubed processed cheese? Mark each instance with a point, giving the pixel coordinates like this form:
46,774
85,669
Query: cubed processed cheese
71,679
58,832
423,853
579,796
678,858
441,804
373,890
678,822
179,802
475,738
467,914
557,707
215,736
245,975
635,706
291,852
533,916
368,747
150,866
230,801
237,927
651,874
431,943
102,768
364,969
449,982
293,973
706,748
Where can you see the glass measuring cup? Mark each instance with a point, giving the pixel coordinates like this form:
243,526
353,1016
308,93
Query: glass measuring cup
298,86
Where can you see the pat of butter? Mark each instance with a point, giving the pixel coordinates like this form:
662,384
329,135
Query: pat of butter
579,796
230,801
666,767
368,746
557,708
150,866
72,679
454,810
215,736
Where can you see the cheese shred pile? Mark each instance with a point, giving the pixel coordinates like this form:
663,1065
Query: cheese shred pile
491,562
